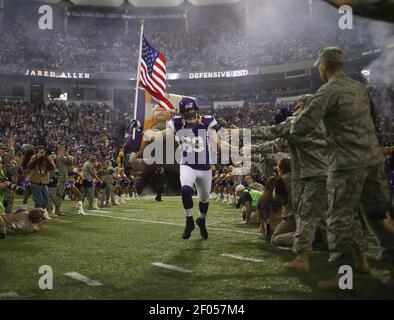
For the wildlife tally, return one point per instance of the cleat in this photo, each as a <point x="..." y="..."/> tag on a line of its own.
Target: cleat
<point x="203" y="230"/>
<point x="188" y="228"/>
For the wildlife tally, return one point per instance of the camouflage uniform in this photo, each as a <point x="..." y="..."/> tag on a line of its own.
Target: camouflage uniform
<point x="107" y="176"/>
<point x="87" y="190"/>
<point x="278" y="135"/>
<point x="52" y="190"/>
<point x="312" y="209"/>
<point x="10" y="171"/>
<point x="62" y="164"/>
<point x="355" y="165"/>
<point x="283" y="234"/>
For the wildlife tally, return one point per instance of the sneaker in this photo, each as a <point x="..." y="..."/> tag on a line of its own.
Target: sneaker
<point x="46" y="215"/>
<point x="203" y="229"/>
<point x="80" y="208"/>
<point x="188" y="228"/>
<point x="95" y="206"/>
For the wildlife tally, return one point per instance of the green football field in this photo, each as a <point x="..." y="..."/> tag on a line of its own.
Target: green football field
<point x="124" y="252"/>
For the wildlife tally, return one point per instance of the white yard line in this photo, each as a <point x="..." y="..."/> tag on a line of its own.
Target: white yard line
<point x="285" y="248"/>
<point x="170" y="267"/>
<point x="9" y="295"/>
<point x="99" y="211"/>
<point x="174" y="224"/>
<point x="80" y="277"/>
<point x="237" y="257"/>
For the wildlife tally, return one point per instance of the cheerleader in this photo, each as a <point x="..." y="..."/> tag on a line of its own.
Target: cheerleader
<point x="124" y="186"/>
<point x="74" y="177"/>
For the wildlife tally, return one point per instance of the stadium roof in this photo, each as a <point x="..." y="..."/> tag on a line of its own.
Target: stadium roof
<point x="143" y="3"/>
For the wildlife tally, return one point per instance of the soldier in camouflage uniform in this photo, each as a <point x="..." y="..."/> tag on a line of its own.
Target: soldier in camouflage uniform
<point x="309" y="160"/>
<point x="311" y="212"/>
<point x="277" y="135"/>
<point x="283" y="234"/>
<point x="10" y="168"/>
<point x="63" y="162"/>
<point x="355" y="164"/>
<point x="89" y="174"/>
<point x="52" y="188"/>
<point x="107" y="176"/>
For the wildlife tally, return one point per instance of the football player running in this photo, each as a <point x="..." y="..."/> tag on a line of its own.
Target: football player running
<point x="196" y="135"/>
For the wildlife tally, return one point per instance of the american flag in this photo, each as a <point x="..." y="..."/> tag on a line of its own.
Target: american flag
<point x="153" y="76"/>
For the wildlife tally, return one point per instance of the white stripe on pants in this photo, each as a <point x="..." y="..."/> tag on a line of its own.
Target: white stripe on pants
<point x="202" y="179"/>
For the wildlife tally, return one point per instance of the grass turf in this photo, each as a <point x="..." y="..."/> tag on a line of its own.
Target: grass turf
<point x="119" y="252"/>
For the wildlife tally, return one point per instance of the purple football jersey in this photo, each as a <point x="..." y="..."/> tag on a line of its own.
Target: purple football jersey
<point x="194" y="140"/>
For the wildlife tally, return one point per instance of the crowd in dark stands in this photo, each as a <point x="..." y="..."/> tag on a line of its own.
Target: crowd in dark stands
<point x="84" y="129"/>
<point x="219" y="47"/>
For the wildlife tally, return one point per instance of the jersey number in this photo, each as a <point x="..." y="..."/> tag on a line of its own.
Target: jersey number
<point x="195" y="144"/>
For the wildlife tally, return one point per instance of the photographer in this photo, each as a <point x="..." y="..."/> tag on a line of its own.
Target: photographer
<point x="40" y="165"/>
<point x="3" y="186"/>
<point x="7" y="153"/>
<point x="6" y="186"/>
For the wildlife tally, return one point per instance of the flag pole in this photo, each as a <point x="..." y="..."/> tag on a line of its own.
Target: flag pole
<point x="138" y="75"/>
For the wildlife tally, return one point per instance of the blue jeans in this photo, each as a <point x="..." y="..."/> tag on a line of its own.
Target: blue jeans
<point x="40" y="196"/>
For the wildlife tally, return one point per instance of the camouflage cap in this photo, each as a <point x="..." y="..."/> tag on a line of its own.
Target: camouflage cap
<point x="305" y="99"/>
<point x="330" y="54"/>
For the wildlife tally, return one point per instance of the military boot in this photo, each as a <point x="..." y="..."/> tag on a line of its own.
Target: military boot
<point x="299" y="264"/>
<point x="388" y="224"/>
<point x="361" y="263"/>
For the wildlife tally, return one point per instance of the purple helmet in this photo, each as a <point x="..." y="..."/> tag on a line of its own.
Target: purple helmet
<point x="188" y="109"/>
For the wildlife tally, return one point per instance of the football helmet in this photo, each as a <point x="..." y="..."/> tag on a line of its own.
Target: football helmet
<point x="188" y="109"/>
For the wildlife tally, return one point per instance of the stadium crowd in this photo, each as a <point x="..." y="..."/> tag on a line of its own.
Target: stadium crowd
<point x="84" y="129"/>
<point x="220" y="47"/>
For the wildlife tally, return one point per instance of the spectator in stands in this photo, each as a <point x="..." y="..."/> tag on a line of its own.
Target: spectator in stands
<point x="283" y="234"/>
<point x="271" y="210"/>
<point x="252" y="184"/>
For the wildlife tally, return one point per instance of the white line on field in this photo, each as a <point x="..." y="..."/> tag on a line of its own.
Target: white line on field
<point x="80" y="277"/>
<point x="173" y="224"/>
<point x="284" y="248"/>
<point x="170" y="267"/>
<point x="237" y="257"/>
<point x="9" y="294"/>
<point x="99" y="211"/>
